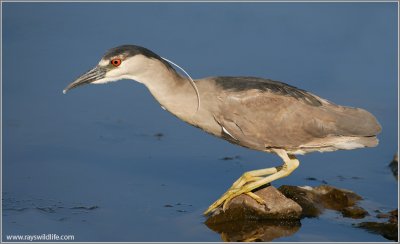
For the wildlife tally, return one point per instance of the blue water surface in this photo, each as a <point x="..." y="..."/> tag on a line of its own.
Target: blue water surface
<point x="106" y="163"/>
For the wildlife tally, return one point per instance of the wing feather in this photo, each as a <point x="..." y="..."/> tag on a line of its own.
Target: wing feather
<point x="270" y="118"/>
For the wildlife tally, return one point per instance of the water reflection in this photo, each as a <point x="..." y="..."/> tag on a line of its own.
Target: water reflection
<point x="247" y="222"/>
<point x="249" y="231"/>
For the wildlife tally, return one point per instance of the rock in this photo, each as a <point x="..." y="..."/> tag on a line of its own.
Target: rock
<point x="387" y="230"/>
<point x="306" y="198"/>
<point x="394" y="214"/>
<point x="335" y="198"/>
<point x="250" y="230"/>
<point x="394" y="166"/>
<point x="243" y="207"/>
<point x="382" y="216"/>
<point x="354" y="212"/>
<point x="314" y="200"/>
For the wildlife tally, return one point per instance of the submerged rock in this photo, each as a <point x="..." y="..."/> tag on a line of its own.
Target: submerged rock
<point x="314" y="200"/>
<point x="243" y="207"/>
<point x="354" y="212"/>
<point x="394" y="166"/>
<point x="387" y="229"/>
<point x="230" y="158"/>
<point x="394" y="216"/>
<point x="335" y="198"/>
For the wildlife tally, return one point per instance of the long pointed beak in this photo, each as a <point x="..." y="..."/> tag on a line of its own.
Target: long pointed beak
<point x="92" y="75"/>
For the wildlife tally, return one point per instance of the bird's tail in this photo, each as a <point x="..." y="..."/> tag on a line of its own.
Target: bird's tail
<point x="349" y="143"/>
<point x="358" y="122"/>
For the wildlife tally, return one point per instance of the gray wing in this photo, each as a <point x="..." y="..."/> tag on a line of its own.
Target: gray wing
<point x="276" y="115"/>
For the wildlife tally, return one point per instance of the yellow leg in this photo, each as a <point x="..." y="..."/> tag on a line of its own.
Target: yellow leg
<point x="252" y="180"/>
<point x="247" y="177"/>
<point x="251" y="176"/>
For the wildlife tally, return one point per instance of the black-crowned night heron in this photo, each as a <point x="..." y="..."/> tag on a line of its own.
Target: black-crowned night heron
<point x="259" y="114"/>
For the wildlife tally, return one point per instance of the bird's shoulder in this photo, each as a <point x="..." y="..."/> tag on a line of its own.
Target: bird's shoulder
<point x="236" y="85"/>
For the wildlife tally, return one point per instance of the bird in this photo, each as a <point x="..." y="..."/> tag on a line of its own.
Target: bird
<point x="255" y="113"/>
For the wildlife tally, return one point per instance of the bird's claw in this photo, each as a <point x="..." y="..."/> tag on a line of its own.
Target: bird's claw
<point x="256" y="197"/>
<point x="229" y="195"/>
<point x="220" y="201"/>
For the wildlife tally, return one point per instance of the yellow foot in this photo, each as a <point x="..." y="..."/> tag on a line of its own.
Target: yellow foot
<point x="217" y="203"/>
<point x="254" y="179"/>
<point x="256" y="197"/>
<point x="238" y="185"/>
<point x="228" y="196"/>
<point x="250" y="194"/>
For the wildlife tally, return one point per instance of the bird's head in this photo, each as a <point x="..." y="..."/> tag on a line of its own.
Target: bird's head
<point x="122" y="62"/>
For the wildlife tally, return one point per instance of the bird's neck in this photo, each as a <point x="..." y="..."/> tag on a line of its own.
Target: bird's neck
<point x="170" y="89"/>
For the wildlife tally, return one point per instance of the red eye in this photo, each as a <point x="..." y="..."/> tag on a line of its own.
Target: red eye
<point x="116" y="62"/>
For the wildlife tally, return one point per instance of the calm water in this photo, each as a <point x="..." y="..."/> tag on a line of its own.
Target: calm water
<point x="89" y="163"/>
